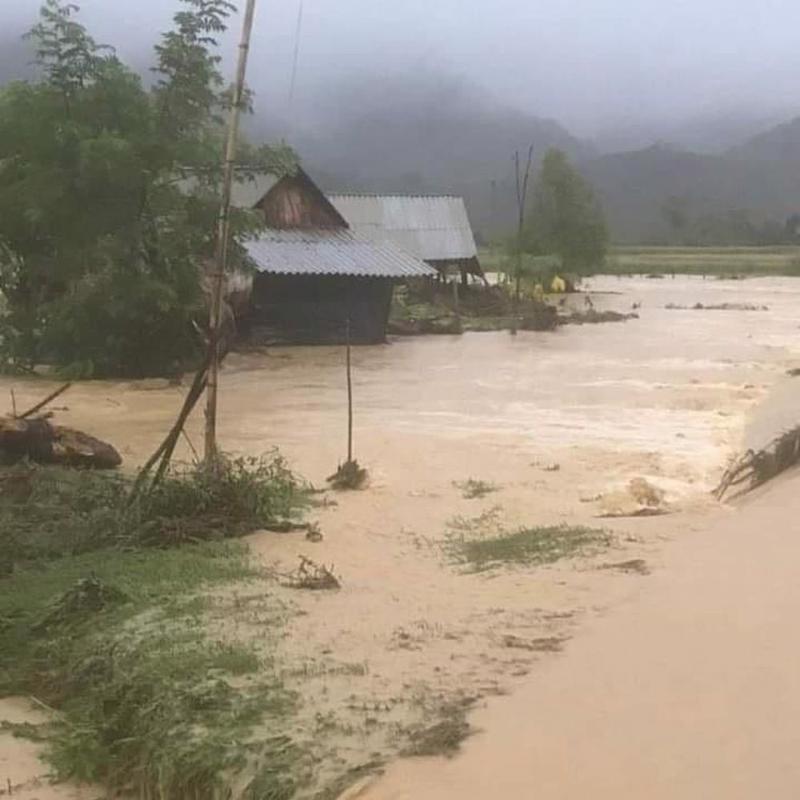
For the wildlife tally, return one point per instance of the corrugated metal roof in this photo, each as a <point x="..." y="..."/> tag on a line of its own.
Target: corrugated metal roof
<point x="331" y="252"/>
<point x="432" y="228"/>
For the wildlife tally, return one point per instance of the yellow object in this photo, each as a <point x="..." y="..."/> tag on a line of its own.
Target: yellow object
<point x="559" y="285"/>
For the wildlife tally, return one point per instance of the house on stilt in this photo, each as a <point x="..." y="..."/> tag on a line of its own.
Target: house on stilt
<point x="314" y="276"/>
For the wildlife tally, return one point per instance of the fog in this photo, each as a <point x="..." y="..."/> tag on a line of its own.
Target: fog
<point x="620" y="71"/>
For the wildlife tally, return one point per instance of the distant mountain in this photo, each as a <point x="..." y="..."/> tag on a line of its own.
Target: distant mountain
<point x="438" y="137"/>
<point x="781" y="143"/>
<point x="638" y="189"/>
<point x="711" y="133"/>
<point x="446" y="137"/>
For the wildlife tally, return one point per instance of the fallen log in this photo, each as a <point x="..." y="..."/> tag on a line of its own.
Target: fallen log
<point x="40" y="441"/>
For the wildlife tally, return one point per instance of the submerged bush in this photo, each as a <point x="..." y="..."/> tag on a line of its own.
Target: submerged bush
<point x="242" y="494"/>
<point x="47" y="512"/>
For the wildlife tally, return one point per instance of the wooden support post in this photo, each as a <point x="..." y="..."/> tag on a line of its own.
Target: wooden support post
<point x="456" y="301"/>
<point x="349" y="398"/>
<point x="223" y="237"/>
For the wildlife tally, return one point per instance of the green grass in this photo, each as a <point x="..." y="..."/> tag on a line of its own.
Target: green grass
<point x="482" y="542"/>
<point x="716" y="261"/>
<point x="47" y="512"/>
<point x="654" y="260"/>
<point x="497" y="259"/>
<point x="147" y="698"/>
<point x="107" y="615"/>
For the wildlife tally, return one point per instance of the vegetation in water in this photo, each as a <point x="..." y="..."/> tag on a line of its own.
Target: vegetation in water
<point x="108" y="197"/>
<point x="482" y="542"/>
<point x="107" y="615"/>
<point x="48" y="512"/>
<point x="146" y="699"/>
<point x="472" y="489"/>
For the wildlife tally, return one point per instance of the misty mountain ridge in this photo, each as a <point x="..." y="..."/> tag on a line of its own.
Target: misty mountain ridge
<point x="431" y="133"/>
<point x="444" y="136"/>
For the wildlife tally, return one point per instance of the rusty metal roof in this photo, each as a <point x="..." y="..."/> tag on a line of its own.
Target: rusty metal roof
<point x="331" y="252"/>
<point x="430" y="227"/>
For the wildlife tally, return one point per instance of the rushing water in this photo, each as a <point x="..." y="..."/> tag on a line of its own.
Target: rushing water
<point x="674" y="382"/>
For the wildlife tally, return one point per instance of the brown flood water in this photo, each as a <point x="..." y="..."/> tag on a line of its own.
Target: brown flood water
<point x="667" y="397"/>
<point x="691" y="691"/>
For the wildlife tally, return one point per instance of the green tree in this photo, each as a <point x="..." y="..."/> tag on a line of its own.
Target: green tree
<point x="566" y="219"/>
<point x="103" y="237"/>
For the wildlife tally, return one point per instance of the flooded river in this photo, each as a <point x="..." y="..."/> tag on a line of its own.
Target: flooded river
<point x="671" y="389"/>
<point x="554" y="421"/>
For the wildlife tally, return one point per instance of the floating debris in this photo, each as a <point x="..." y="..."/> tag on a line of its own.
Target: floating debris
<point x="756" y="467"/>
<point x="639" y="498"/>
<point x="310" y="575"/>
<point x="717" y="307"/>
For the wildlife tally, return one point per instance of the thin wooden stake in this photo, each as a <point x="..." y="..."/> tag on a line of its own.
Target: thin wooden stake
<point x="223" y="237"/>
<point x="349" y="398"/>
<point x="13" y="403"/>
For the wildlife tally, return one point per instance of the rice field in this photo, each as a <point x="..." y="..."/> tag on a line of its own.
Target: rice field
<point x="636" y="260"/>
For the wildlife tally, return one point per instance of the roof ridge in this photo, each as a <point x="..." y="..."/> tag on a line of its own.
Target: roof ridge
<point x="419" y="195"/>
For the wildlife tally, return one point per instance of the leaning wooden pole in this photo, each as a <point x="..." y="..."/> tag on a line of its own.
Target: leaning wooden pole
<point x="223" y="239"/>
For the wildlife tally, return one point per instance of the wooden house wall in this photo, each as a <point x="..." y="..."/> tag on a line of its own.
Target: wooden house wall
<point x="296" y="202"/>
<point x="314" y="309"/>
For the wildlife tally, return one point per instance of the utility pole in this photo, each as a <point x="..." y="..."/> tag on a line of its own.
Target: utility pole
<point x="522" y="195"/>
<point x="223" y="237"/>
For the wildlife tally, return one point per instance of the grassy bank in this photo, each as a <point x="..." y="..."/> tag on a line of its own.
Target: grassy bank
<point x="119" y="626"/>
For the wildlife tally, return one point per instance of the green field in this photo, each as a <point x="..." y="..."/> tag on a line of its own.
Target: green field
<point x="720" y="261"/>
<point x="704" y="260"/>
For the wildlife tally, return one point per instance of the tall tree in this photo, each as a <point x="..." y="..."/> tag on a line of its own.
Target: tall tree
<point x="108" y="197"/>
<point x="566" y="218"/>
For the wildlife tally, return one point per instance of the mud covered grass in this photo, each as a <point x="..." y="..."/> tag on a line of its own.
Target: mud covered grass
<point x="116" y="616"/>
<point x="444" y="736"/>
<point x="146" y="697"/>
<point x="483" y="542"/>
<point x="472" y="488"/>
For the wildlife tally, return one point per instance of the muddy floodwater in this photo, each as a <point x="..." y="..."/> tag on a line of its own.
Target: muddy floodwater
<point x="559" y="423"/>
<point x="667" y="393"/>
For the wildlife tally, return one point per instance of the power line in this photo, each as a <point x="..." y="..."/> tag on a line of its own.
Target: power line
<point x="296" y="52"/>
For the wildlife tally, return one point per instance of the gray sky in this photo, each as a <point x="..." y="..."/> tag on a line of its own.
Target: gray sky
<point x="594" y="65"/>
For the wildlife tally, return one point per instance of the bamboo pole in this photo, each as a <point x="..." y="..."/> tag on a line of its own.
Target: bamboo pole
<point x="223" y="237"/>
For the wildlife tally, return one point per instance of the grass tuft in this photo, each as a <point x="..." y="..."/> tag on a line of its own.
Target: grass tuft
<point x="443" y="737"/>
<point x="482" y="542"/>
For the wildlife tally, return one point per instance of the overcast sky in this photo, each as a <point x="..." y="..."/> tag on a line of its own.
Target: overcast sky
<point x="591" y="64"/>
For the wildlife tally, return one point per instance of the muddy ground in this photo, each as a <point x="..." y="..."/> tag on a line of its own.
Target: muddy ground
<point x="559" y="423"/>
